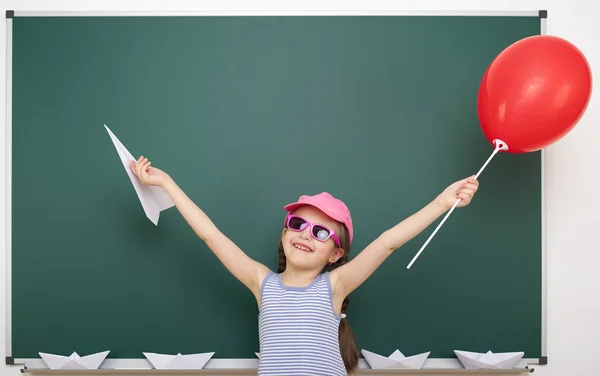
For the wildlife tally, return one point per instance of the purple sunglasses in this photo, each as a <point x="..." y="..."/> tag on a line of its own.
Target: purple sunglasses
<point x="319" y="232"/>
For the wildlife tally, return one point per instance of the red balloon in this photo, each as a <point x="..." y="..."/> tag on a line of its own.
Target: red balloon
<point x="534" y="93"/>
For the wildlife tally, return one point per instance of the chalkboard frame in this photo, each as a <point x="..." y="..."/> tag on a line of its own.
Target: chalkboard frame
<point x="141" y="363"/>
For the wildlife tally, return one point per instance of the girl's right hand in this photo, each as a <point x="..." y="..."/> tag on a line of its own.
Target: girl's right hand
<point x="147" y="174"/>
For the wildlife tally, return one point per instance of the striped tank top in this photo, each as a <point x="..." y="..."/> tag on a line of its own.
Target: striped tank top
<point x="298" y="329"/>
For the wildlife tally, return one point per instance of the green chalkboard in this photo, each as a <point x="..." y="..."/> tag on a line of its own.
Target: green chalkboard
<point x="248" y="113"/>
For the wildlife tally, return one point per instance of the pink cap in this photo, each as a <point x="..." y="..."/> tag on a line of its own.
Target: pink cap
<point x="329" y="205"/>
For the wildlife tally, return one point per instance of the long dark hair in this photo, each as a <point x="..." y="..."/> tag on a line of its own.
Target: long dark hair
<point x="348" y="348"/>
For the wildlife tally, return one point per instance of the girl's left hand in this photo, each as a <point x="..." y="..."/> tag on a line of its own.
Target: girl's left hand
<point x="464" y="189"/>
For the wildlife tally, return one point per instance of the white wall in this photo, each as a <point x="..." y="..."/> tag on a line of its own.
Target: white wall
<point x="573" y="175"/>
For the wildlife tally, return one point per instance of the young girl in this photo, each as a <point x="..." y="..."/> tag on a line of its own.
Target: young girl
<point x="302" y="321"/>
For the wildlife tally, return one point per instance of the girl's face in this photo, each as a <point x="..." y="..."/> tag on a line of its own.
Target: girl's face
<point x="302" y="250"/>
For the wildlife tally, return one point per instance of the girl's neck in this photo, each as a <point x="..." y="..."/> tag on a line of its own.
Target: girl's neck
<point x="298" y="278"/>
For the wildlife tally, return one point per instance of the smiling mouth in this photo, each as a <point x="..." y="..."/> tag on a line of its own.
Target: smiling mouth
<point x="302" y="248"/>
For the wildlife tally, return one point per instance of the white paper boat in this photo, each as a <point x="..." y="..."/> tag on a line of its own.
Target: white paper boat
<point x="396" y="360"/>
<point x="153" y="199"/>
<point x="74" y="361"/>
<point x="190" y="361"/>
<point x="257" y="354"/>
<point x="474" y="360"/>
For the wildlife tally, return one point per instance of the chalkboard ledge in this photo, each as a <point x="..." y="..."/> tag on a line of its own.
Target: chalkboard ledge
<point x="252" y="371"/>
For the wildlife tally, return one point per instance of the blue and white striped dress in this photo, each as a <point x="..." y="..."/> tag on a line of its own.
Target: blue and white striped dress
<point x="298" y="329"/>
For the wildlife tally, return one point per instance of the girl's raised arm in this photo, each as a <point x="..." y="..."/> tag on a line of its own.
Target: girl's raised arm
<point x="348" y="277"/>
<point x="245" y="269"/>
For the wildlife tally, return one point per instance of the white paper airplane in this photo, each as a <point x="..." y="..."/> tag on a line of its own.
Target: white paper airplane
<point x="191" y="361"/>
<point x="474" y="360"/>
<point x="74" y="361"/>
<point x="154" y="199"/>
<point x="396" y="360"/>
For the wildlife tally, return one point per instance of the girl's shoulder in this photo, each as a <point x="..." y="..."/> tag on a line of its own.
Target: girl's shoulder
<point x="269" y="276"/>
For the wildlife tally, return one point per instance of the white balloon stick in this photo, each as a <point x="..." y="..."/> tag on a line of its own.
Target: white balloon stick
<point x="500" y="146"/>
